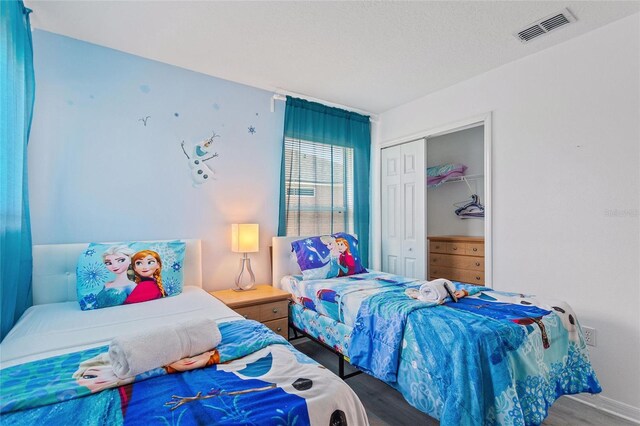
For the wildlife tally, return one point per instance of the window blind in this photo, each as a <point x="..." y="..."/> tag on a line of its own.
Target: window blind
<point x="318" y="188"/>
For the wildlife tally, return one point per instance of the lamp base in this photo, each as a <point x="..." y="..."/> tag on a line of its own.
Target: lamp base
<point x="245" y="264"/>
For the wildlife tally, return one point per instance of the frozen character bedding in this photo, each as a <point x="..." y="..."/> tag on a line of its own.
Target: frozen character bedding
<point x="124" y="273"/>
<point x="253" y="377"/>
<point x="490" y="358"/>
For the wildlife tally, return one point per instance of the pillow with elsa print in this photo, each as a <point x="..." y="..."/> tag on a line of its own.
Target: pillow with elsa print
<point x="112" y="274"/>
<point x="328" y="256"/>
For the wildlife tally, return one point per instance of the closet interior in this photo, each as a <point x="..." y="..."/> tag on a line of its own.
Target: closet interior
<point x="455" y="206"/>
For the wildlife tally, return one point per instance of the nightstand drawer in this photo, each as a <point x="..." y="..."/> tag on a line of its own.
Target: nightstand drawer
<point x="280" y="326"/>
<point x="275" y="310"/>
<point x="250" y="312"/>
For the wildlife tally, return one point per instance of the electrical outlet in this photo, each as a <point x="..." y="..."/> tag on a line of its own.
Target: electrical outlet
<point x="589" y="335"/>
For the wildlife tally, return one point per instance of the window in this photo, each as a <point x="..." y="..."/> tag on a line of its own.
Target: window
<point x="318" y="188"/>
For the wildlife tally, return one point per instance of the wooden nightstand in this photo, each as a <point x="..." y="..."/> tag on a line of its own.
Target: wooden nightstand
<point x="266" y="304"/>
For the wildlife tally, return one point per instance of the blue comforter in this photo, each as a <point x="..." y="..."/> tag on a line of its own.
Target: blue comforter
<point x="492" y="358"/>
<point x="260" y="379"/>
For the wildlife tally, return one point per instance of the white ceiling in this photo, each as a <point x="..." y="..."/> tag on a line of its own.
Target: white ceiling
<point x="370" y="56"/>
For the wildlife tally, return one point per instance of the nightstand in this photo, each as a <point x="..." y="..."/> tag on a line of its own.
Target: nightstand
<point x="266" y="304"/>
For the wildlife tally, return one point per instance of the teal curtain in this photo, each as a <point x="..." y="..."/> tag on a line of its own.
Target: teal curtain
<point x="17" y="86"/>
<point x="320" y="124"/>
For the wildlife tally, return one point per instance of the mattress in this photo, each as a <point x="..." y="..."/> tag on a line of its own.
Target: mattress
<point x="55" y="328"/>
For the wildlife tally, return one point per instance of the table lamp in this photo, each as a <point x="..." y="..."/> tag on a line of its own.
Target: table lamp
<point x="245" y="238"/>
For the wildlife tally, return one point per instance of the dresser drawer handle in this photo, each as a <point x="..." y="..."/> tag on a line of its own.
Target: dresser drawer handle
<point x="275" y="310"/>
<point x="435" y="260"/>
<point x="475" y="249"/>
<point x="477" y="263"/>
<point x="246" y="316"/>
<point x="477" y="278"/>
<point x="279" y="329"/>
<point x="455" y="248"/>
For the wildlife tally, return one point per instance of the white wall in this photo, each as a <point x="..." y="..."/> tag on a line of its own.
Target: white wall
<point x="466" y="147"/>
<point x="566" y="184"/>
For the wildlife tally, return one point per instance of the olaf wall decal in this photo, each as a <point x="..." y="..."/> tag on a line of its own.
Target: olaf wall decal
<point x="201" y="152"/>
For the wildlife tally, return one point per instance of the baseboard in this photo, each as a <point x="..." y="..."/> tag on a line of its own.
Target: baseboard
<point x="610" y="406"/>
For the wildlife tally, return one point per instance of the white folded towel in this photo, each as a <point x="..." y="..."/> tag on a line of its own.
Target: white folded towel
<point x="137" y="353"/>
<point x="434" y="291"/>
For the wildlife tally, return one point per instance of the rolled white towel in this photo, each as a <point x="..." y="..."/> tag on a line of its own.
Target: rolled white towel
<point x="434" y="291"/>
<point x="137" y="353"/>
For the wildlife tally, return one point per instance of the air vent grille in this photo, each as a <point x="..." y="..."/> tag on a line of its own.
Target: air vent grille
<point x="531" y="32"/>
<point x="545" y="25"/>
<point x="554" y="22"/>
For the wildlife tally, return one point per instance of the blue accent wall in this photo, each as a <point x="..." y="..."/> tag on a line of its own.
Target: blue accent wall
<point x="98" y="173"/>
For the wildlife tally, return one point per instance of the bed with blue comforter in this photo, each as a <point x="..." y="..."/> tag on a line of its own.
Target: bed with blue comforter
<point x="492" y="358"/>
<point x="257" y="378"/>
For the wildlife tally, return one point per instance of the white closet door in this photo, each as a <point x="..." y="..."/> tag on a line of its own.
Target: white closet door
<point x="391" y="210"/>
<point x="403" y="209"/>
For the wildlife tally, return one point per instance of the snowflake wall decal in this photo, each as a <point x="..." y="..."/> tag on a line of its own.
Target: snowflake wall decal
<point x="252" y="130"/>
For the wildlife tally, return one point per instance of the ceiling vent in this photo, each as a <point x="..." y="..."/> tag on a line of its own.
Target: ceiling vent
<point x="545" y="25"/>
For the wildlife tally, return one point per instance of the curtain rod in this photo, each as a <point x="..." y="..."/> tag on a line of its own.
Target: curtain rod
<point x="282" y="96"/>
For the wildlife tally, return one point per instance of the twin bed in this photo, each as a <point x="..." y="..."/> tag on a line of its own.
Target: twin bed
<point x="51" y="371"/>
<point x="490" y="358"/>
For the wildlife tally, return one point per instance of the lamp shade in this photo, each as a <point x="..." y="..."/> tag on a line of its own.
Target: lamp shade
<point x="245" y="237"/>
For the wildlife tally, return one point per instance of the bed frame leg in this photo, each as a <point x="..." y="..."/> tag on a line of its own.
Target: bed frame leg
<point x="341" y="366"/>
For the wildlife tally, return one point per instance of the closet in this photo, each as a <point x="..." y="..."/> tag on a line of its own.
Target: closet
<point x="433" y="206"/>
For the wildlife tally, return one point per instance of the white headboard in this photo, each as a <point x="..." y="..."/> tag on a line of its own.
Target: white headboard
<point x="283" y="263"/>
<point x="54" y="270"/>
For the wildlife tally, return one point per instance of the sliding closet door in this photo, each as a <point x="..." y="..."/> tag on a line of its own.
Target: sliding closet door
<point x="403" y="209"/>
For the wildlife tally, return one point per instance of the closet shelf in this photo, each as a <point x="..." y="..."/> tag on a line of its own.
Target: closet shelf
<point x="466" y="178"/>
<point x="463" y="178"/>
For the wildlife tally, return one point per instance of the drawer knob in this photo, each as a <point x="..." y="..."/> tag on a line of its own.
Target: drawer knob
<point x="246" y="316"/>
<point x="477" y="263"/>
<point x="455" y="248"/>
<point x="435" y="260"/>
<point x="279" y="329"/>
<point x="477" y="278"/>
<point x="275" y="310"/>
<point x="475" y="249"/>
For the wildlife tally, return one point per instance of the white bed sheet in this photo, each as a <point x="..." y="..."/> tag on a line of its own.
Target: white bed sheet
<point x="56" y="328"/>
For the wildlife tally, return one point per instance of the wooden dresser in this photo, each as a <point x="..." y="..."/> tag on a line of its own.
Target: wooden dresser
<point x="457" y="258"/>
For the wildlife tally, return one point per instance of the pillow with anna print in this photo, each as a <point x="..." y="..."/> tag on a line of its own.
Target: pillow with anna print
<point x="328" y="256"/>
<point x="111" y="274"/>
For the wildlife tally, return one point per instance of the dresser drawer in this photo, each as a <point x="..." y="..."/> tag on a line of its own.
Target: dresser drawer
<point x="250" y="312"/>
<point x="437" y="247"/>
<point x="457" y="248"/>
<point x="472" y="277"/>
<point x="466" y="262"/>
<point x="437" y="259"/>
<point x="275" y="310"/>
<point x="280" y="326"/>
<point x="475" y="249"/>
<point x="441" y="272"/>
